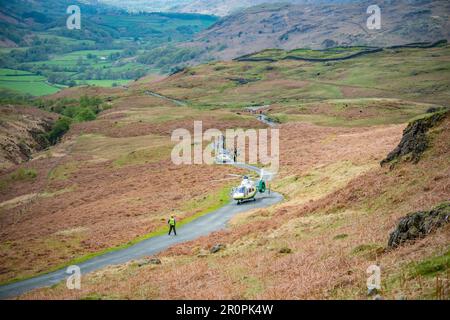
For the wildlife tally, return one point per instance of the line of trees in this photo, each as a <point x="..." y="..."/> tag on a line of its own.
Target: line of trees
<point x="71" y="111"/>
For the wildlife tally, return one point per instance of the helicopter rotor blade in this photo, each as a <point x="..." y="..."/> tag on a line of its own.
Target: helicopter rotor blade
<point x="224" y="179"/>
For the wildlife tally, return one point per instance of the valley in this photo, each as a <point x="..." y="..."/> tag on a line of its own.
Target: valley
<point x="90" y="124"/>
<point x="116" y="47"/>
<point x="113" y="47"/>
<point x="105" y="182"/>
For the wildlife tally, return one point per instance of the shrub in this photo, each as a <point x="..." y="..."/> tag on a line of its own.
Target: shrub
<point x="23" y="174"/>
<point x="84" y="109"/>
<point x="84" y="114"/>
<point x="61" y="126"/>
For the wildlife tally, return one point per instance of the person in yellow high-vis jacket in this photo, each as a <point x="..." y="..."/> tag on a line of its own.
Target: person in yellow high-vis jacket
<point x="172" y="223"/>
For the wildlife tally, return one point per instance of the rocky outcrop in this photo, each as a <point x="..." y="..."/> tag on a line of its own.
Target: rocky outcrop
<point x="419" y="224"/>
<point x="22" y="132"/>
<point x="415" y="140"/>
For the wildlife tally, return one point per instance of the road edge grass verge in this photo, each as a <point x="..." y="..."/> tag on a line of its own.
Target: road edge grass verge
<point x="223" y="199"/>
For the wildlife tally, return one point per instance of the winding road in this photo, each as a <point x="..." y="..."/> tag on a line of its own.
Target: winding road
<point x="174" y="101"/>
<point x="202" y="226"/>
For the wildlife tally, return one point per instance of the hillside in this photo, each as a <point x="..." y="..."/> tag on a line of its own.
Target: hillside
<point x="319" y="243"/>
<point x="226" y="7"/>
<point x="107" y="181"/>
<point x="296" y="86"/>
<point x="218" y="7"/>
<point x="116" y="47"/>
<point x="23" y="20"/>
<point x="319" y="26"/>
<point x="111" y="49"/>
<point x="21" y="131"/>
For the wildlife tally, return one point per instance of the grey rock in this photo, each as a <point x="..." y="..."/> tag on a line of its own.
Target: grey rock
<point x="154" y="261"/>
<point x="217" y="248"/>
<point x="147" y="261"/>
<point x="415" y="140"/>
<point x="285" y="250"/>
<point x="419" y="224"/>
<point x="372" y="291"/>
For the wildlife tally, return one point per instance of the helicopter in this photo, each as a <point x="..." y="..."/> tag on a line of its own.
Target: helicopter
<point x="248" y="189"/>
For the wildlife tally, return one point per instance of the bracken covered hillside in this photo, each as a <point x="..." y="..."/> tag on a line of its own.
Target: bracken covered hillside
<point x="318" y="244"/>
<point x="340" y="207"/>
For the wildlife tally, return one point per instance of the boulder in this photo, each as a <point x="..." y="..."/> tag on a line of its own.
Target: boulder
<point x="285" y="250"/>
<point x="154" y="261"/>
<point x="419" y="224"/>
<point x="217" y="248"/>
<point x="147" y="261"/>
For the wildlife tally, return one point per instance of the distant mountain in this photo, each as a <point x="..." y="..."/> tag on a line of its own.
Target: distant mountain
<point x="148" y="6"/>
<point x="226" y="7"/>
<point x="212" y="7"/>
<point x="317" y="26"/>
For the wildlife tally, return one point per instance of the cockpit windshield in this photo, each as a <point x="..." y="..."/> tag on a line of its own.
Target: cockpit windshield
<point x="241" y="190"/>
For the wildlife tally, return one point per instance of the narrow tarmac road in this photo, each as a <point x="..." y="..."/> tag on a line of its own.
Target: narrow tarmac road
<point x="175" y="101"/>
<point x="202" y="226"/>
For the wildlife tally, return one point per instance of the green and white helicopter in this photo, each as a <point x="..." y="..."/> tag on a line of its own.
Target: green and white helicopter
<point x="248" y="189"/>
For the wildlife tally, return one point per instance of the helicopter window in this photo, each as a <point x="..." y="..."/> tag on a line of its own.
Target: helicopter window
<point x="241" y="190"/>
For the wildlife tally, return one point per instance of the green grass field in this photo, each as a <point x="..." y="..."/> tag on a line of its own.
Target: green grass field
<point x="72" y="59"/>
<point x="103" y="83"/>
<point x="99" y="61"/>
<point x="11" y="72"/>
<point x="26" y="83"/>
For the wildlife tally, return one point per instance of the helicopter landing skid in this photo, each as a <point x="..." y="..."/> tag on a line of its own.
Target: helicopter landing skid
<point x="239" y="202"/>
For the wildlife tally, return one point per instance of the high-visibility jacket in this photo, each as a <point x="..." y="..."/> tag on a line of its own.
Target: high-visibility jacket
<point x="172" y="221"/>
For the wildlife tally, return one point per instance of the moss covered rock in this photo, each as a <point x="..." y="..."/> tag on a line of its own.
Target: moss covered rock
<point x="419" y="224"/>
<point x="415" y="141"/>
